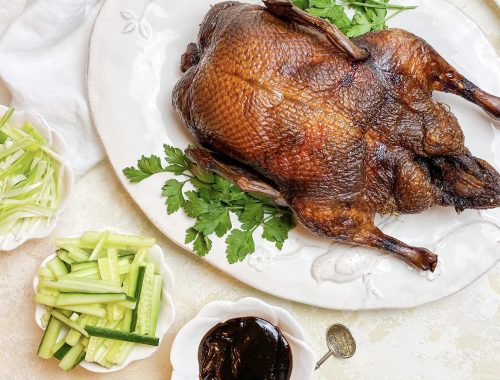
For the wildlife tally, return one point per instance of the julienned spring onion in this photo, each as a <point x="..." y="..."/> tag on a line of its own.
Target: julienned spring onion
<point x="29" y="179"/>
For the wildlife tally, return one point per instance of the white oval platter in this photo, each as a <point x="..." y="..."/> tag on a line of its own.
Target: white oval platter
<point x="133" y="65"/>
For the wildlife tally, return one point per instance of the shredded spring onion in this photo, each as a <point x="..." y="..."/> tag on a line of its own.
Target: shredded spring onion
<point x="29" y="178"/>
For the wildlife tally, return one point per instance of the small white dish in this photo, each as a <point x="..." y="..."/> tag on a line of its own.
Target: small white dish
<point x="165" y="318"/>
<point x="184" y="355"/>
<point x="55" y="142"/>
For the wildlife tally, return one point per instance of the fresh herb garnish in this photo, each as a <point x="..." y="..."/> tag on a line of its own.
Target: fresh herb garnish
<point x="369" y="14"/>
<point x="211" y="203"/>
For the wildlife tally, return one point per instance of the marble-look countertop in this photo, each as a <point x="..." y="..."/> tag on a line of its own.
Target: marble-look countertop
<point x="455" y="338"/>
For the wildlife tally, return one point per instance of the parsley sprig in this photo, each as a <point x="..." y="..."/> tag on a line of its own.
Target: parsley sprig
<point x="369" y="14"/>
<point x="211" y="204"/>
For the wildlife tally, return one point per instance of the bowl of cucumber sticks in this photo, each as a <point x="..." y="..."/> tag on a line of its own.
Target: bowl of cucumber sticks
<point x="104" y="300"/>
<point x="36" y="179"/>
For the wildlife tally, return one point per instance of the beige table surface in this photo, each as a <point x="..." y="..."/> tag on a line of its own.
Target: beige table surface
<point x="456" y="338"/>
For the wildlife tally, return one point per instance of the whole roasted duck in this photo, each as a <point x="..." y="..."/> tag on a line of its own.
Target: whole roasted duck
<point x="339" y="130"/>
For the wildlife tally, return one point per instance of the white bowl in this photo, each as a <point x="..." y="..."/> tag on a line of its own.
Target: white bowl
<point x="165" y="318"/>
<point x="55" y="142"/>
<point x="184" y="355"/>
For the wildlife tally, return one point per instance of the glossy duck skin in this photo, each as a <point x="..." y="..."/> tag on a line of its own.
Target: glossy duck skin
<point x="336" y="137"/>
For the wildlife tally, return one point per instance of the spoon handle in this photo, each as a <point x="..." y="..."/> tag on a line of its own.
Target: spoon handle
<point x="323" y="359"/>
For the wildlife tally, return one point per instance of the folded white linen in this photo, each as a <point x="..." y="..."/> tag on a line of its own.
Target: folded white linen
<point x="43" y="63"/>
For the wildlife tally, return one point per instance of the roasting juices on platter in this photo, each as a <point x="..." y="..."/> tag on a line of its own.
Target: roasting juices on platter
<point x="246" y="348"/>
<point x="336" y="129"/>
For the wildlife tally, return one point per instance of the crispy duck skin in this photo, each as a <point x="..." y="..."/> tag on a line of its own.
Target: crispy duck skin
<point x="339" y="130"/>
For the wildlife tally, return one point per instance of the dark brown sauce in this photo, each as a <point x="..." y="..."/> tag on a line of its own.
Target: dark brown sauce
<point x="245" y="349"/>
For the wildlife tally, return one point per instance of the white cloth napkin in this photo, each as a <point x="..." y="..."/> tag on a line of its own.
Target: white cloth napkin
<point x="43" y="63"/>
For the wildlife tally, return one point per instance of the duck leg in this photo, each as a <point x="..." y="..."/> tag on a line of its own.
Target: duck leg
<point x="284" y="8"/>
<point x="445" y="78"/>
<point x="349" y="225"/>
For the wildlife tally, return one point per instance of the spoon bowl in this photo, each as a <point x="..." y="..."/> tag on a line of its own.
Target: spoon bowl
<point x="340" y="342"/>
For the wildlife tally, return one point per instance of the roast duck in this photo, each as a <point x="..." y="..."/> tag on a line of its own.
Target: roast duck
<point x="283" y="104"/>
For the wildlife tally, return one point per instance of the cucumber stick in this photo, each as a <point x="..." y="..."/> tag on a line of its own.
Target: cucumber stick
<point x="68" y="322"/>
<point x="96" y="342"/>
<point x="49" y="338"/>
<point x="145" y="302"/>
<point x="64" y="256"/>
<point x="86" y="298"/>
<point x="75" y="267"/>
<point x="46" y="273"/>
<point x="96" y="253"/>
<point x="62" y="350"/>
<point x="115" y="240"/>
<point x="124" y="265"/>
<point x="92" y="309"/>
<point x="57" y="266"/>
<point x="122" y="335"/>
<point x="138" y="288"/>
<point x="74" y="336"/>
<point x="155" y="308"/>
<point x="81" y="286"/>
<point x="57" y="347"/>
<point x="73" y="357"/>
<point x="45" y="299"/>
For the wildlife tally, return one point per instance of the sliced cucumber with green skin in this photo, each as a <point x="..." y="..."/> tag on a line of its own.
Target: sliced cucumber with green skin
<point x="127" y="320"/>
<point x="45" y="299"/>
<point x="91" y="309"/>
<point x="76" y="253"/>
<point x="75" y="267"/>
<point x="64" y="256"/>
<point x="73" y="357"/>
<point x="57" y="266"/>
<point x="96" y="253"/>
<point x="63" y="350"/>
<point x="58" y="345"/>
<point x="145" y="301"/>
<point x="80" y="286"/>
<point x="122" y="335"/>
<point x="68" y="322"/>
<point x="46" y="272"/>
<point x="119" y="241"/>
<point x="138" y="287"/>
<point x="74" y="336"/>
<point x="124" y="266"/>
<point x="49" y="338"/>
<point x="128" y="304"/>
<point x="155" y="308"/>
<point x="86" y="298"/>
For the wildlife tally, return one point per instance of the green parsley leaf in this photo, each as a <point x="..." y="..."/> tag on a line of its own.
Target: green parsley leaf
<point x="302" y="4"/>
<point x="146" y="167"/>
<point x="252" y="216"/>
<point x="191" y="234"/>
<point x="361" y="25"/>
<point x="172" y="190"/>
<point x="195" y="206"/>
<point x="217" y="220"/>
<point x="178" y="161"/>
<point x="276" y="229"/>
<point x="239" y="245"/>
<point x="202" y="245"/>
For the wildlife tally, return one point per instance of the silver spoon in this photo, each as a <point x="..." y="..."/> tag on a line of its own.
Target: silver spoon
<point x="340" y="342"/>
